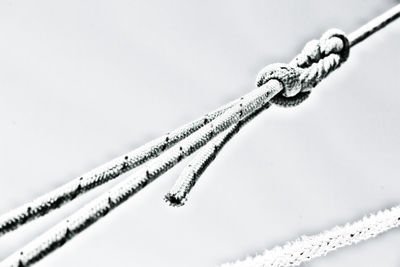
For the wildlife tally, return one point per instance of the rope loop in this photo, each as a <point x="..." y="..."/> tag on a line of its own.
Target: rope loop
<point x="289" y="77"/>
<point x="315" y="62"/>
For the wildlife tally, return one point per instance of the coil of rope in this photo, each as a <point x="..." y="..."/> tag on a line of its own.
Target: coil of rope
<point x="285" y="85"/>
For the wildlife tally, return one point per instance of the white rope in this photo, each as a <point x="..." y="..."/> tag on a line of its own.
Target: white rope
<point x="307" y="248"/>
<point x="99" y="207"/>
<point x="67" y="192"/>
<point x="374" y="25"/>
<point x="177" y="196"/>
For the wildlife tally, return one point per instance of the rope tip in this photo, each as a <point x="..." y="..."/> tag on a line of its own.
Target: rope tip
<point x="174" y="200"/>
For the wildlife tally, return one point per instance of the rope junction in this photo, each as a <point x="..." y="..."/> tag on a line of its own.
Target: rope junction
<point x="312" y="65"/>
<point x="285" y="85"/>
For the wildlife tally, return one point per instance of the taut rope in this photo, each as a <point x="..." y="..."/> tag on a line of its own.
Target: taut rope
<point x="282" y="84"/>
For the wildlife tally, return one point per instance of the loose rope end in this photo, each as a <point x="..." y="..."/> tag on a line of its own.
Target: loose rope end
<point x="174" y="201"/>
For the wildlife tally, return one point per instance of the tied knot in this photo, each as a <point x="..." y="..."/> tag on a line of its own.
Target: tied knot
<point x="286" y="74"/>
<point x="315" y="62"/>
<point x="333" y="41"/>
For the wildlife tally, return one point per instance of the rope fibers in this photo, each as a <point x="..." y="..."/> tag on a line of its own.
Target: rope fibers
<point x="308" y="247"/>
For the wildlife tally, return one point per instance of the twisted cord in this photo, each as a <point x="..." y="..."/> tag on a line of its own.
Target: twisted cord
<point x="307" y="248"/>
<point x="99" y="207"/>
<point x="69" y="191"/>
<point x="177" y="196"/>
<point x="315" y="62"/>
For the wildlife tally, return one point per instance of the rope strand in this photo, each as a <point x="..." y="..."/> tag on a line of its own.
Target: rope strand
<point x="307" y="248"/>
<point x="177" y="196"/>
<point x="99" y="207"/>
<point x="374" y="25"/>
<point x="69" y="191"/>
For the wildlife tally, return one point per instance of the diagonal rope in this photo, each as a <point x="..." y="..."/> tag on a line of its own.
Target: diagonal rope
<point x="192" y="172"/>
<point x="281" y="84"/>
<point x="374" y="25"/>
<point x="307" y="248"/>
<point x="69" y="191"/>
<point x="100" y="206"/>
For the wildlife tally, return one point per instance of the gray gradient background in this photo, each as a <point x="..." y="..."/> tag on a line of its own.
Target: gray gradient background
<point x="82" y="82"/>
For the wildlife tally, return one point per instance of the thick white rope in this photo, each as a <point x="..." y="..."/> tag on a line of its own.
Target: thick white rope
<point x="177" y="196"/>
<point x="307" y="248"/>
<point x="67" y="192"/>
<point x="99" y="207"/>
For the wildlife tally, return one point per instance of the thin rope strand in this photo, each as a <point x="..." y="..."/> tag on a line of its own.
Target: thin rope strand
<point x="69" y="191"/>
<point x="307" y="248"/>
<point x="374" y="25"/>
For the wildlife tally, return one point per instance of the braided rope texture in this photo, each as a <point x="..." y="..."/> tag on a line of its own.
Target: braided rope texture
<point x="99" y="207"/>
<point x="67" y="192"/>
<point x="307" y="248"/>
<point x="177" y="196"/>
<point x="316" y="61"/>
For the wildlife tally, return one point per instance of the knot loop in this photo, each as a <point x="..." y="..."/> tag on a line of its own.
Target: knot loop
<point x="315" y="62"/>
<point x="333" y="41"/>
<point x="289" y="77"/>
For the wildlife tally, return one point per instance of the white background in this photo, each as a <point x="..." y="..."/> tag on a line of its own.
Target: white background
<point x="82" y="82"/>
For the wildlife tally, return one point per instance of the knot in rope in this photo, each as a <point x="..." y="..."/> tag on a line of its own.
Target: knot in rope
<point x="315" y="62"/>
